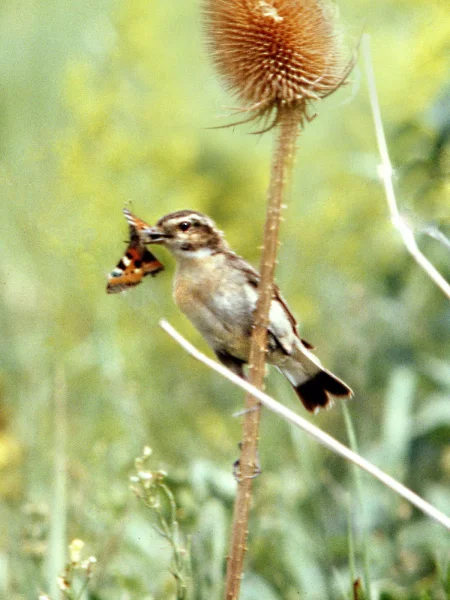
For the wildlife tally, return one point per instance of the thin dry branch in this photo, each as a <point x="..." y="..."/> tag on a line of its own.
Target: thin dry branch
<point x="385" y="171"/>
<point x="323" y="438"/>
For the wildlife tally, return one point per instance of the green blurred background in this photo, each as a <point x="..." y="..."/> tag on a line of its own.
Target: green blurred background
<point x="106" y="102"/>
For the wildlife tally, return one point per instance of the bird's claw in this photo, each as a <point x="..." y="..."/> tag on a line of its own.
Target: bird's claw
<point x="237" y="468"/>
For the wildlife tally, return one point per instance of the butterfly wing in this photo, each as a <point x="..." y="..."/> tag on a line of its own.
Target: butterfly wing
<point x="136" y="263"/>
<point x="136" y="225"/>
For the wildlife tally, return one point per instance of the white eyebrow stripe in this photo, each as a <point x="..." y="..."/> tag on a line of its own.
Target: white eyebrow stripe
<point x="190" y="217"/>
<point x="126" y="261"/>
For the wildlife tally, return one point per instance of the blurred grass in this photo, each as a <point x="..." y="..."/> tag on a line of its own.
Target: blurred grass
<point x="106" y="102"/>
<point x="357" y="517"/>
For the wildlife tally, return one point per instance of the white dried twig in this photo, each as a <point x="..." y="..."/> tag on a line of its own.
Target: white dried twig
<point x="385" y="171"/>
<point x="323" y="438"/>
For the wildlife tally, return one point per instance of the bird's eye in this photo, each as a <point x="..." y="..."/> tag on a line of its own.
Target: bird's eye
<point x="184" y="226"/>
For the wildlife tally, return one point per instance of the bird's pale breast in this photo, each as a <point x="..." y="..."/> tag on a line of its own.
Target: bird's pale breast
<point x="217" y="301"/>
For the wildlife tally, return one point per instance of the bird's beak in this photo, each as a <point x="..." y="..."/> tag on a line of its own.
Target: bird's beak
<point x="154" y="235"/>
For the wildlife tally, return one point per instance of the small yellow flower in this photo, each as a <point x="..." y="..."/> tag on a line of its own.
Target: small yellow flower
<point x="63" y="584"/>
<point x="75" y="548"/>
<point x="147" y="451"/>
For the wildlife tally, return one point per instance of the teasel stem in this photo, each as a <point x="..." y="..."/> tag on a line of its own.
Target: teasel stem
<point x="288" y="127"/>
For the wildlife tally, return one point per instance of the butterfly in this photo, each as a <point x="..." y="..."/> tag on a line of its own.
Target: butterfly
<point x="136" y="263"/>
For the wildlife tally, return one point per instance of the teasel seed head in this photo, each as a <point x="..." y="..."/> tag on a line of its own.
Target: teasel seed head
<point x="277" y="56"/>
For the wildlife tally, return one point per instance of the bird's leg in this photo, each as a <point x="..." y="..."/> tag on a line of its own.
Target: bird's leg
<point x="236" y="365"/>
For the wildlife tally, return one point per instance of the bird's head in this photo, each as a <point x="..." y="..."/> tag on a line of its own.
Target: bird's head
<point x="187" y="234"/>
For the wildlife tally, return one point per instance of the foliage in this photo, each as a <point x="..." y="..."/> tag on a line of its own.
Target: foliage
<point x="153" y="492"/>
<point x="106" y="102"/>
<point x="74" y="580"/>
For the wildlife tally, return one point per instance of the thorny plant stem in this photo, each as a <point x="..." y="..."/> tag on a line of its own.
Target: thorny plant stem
<point x="320" y="436"/>
<point x="385" y="172"/>
<point x="282" y="161"/>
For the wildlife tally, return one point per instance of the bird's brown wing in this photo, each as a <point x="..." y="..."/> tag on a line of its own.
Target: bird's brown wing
<point x="254" y="279"/>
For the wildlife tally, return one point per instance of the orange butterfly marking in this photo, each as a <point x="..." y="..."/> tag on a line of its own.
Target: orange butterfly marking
<point x="136" y="263"/>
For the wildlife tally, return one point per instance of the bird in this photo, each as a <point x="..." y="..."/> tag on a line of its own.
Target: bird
<point x="218" y="290"/>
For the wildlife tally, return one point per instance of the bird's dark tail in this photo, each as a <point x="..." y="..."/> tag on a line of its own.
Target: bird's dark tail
<point x="318" y="391"/>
